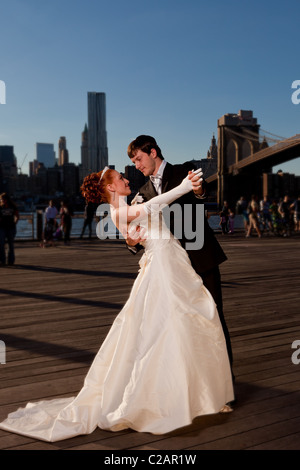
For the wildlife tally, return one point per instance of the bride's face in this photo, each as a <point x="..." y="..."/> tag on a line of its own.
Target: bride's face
<point x="120" y="185"/>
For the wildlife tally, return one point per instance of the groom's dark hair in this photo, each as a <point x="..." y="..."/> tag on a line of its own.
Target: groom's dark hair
<point x="144" y="143"/>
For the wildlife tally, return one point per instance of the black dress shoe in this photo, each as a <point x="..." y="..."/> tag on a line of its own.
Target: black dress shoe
<point x="231" y="403"/>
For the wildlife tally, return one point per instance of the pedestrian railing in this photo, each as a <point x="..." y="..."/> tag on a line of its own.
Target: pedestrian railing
<point x="31" y="225"/>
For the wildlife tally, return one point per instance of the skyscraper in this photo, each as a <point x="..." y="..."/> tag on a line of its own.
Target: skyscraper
<point x="45" y="154"/>
<point x="84" y="169"/>
<point x="8" y="169"/>
<point x="63" y="154"/>
<point x="85" y="149"/>
<point x="97" y="138"/>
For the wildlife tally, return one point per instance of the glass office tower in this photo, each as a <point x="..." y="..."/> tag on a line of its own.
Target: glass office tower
<point x="97" y="137"/>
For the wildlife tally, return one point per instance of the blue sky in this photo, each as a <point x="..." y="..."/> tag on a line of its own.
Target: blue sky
<point x="169" y="68"/>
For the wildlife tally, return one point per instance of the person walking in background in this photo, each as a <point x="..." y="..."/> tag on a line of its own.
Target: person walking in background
<point x="225" y="211"/>
<point x="277" y="226"/>
<point x="66" y="221"/>
<point x="295" y="207"/>
<point x="264" y="207"/>
<point x="231" y="216"/>
<point x="50" y="224"/>
<point x="89" y="212"/>
<point x="253" y="217"/>
<point x="223" y="222"/>
<point x="242" y="209"/>
<point x="9" y="216"/>
<point x="284" y="211"/>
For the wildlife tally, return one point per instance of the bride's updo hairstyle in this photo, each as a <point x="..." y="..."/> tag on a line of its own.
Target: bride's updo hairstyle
<point x="93" y="188"/>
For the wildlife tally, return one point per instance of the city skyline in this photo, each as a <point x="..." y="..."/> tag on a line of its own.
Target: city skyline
<point x="170" y="69"/>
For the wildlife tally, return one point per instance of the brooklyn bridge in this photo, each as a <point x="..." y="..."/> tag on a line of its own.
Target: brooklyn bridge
<point x="244" y="161"/>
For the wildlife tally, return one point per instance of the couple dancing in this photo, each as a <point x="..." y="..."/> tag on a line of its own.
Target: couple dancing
<point x="164" y="361"/>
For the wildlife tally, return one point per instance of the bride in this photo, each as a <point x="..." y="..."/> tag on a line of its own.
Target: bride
<point x="164" y="361"/>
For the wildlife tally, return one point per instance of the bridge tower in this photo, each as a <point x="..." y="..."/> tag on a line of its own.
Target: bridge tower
<point x="238" y="138"/>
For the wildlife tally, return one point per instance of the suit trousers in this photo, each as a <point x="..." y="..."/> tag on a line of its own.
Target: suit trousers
<point x="212" y="281"/>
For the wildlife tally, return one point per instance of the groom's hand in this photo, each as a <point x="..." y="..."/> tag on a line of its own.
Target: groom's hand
<point x="135" y="235"/>
<point x="197" y="184"/>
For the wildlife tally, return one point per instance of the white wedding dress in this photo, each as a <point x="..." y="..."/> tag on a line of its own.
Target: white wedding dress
<point x="163" y="362"/>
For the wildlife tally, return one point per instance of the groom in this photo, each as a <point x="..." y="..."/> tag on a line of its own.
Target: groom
<point x="146" y="155"/>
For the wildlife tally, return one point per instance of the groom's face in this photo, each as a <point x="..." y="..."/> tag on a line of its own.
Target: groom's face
<point x="147" y="164"/>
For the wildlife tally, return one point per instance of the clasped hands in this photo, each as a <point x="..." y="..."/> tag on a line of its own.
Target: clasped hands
<point x="196" y="180"/>
<point x="136" y="235"/>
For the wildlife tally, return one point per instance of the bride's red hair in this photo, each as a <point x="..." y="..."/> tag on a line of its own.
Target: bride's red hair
<point x="93" y="190"/>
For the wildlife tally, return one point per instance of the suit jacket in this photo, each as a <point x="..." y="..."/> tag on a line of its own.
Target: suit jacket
<point x="211" y="254"/>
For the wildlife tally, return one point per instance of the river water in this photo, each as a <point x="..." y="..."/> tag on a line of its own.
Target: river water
<point x="27" y="225"/>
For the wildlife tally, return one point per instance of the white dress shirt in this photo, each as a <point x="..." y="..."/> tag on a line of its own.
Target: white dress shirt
<point x="51" y="212"/>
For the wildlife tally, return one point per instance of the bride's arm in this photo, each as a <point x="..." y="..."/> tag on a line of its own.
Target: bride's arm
<point x="127" y="214"/>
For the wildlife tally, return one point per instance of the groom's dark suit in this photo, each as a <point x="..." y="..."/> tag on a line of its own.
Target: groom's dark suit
<point x="206" y="260"/>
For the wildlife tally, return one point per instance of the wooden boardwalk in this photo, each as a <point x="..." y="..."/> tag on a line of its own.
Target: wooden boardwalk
<point x="57" y="305"/>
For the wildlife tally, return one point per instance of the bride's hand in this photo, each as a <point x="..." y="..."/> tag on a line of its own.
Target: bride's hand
<point x="196" y="178"/>
<point x="193" y="180"/>
<point x="135" y="235"/>
<point x="197" y="182"/>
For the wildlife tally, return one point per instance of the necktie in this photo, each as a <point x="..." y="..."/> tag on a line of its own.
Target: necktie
<point x="156" y="180"/>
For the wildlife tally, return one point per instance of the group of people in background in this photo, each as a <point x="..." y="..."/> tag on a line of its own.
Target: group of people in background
<point x="55" y="229"/>
<point x="58" y="223"/>
<point x="280" y="217"/>
<point x="57" y="226"/>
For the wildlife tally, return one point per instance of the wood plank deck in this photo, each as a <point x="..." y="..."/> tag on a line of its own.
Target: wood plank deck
<point x="57" y="305"/>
